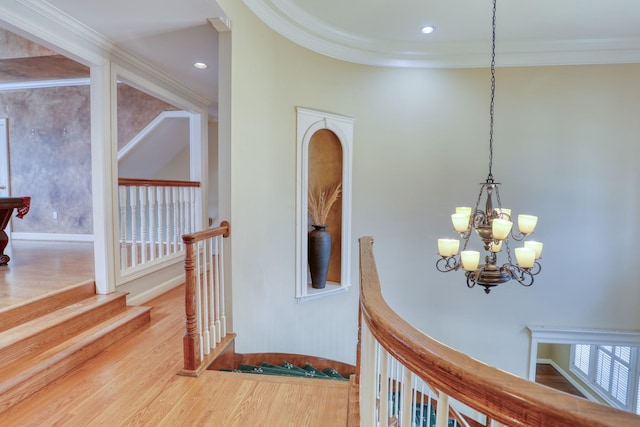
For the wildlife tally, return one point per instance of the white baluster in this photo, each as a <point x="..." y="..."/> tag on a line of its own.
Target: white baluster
<point x="201" y="253"/>
<point x="153" y="209"/>
<point x="407" y="402"/>
<point x="183" y="217"/>
<point x="220" y="257"/>
<point x="385" y="392"/>
<point x="143" y="224"/>
<point x="442" y="414"/>
<point x="176" y="219"/>
<point x="124" y="253"/>
<point x="168" y="226"/>
<point x="199" y="322"/>
<point x="133" y="200"/>
<point x="368" y="374"/>
<point x="161" y="217"/>
<point x="215" y="336"/>
<point x="192" y="209"/>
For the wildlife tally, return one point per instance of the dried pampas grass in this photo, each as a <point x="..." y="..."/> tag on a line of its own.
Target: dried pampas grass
<point x="320" y="203"/>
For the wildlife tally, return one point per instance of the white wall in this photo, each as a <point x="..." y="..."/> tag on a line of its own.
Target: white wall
<point x="213" y="209"/>
<point x="566" y="144"/>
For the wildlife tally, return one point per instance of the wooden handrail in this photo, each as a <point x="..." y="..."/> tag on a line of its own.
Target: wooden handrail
<point x="143" y="182"/>
<point x="499" y="395"/>
<point x="223" y="230"/>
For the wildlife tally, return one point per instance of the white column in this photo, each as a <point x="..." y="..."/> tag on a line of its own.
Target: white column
<point x="104" y="177"/>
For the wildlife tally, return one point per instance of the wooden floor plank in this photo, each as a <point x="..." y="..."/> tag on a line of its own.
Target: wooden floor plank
<point x="135" y="383"/>
<point x="37" y="268"/>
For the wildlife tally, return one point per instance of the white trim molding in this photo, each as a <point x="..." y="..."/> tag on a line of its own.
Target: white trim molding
<point x="45" y="84"/>
<point x="296" y="24"/>
<point x="309" y="122"/>
<point x="560" y="335"/>
<point x="56" y="237"/>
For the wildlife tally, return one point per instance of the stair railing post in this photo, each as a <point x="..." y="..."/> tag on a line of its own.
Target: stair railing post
<point x="191" y="340"/>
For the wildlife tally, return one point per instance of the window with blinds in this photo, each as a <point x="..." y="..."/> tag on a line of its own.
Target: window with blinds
<point x="612" y="371"/>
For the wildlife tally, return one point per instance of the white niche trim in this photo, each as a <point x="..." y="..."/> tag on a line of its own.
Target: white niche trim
<point x="309" y="122"/>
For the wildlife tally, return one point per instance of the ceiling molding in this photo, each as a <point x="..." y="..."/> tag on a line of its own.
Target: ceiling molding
<point x="58" y="31"/>
<point x="287" y="19"/>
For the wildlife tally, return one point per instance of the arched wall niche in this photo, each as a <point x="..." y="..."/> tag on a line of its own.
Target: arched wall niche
<point x="325" y="171"/>
<point x="324" y="158"/>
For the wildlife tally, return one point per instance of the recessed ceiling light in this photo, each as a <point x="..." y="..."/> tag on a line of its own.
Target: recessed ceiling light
<point x="428" y="29"/>
<point x="200" y="65"/>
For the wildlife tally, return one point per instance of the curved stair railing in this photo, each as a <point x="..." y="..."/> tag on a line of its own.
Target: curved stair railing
<point x="407" y="378"/>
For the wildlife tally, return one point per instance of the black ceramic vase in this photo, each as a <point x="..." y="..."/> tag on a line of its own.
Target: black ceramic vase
<point x="319" y="251"/>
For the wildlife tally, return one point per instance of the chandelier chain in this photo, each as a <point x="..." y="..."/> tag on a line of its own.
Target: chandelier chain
<point x="493" y="91"/>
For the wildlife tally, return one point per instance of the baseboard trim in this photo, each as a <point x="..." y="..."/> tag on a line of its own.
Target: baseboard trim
<point x="154" y="292"/>
<point x="52" y="237"/>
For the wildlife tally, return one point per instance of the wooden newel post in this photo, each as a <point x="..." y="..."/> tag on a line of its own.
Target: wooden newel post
<point x="191" y="340"/>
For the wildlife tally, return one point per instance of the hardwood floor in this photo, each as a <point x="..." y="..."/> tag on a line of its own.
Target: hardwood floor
<point x="134" y="382"/>
<point x="547" y="375"/>
<point x="37" y="268"/>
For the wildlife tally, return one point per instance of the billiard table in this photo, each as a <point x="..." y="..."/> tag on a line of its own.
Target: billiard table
<point x="7" y="205"/>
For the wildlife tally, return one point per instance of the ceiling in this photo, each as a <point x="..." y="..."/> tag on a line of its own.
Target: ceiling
<point x="174" y="34"/>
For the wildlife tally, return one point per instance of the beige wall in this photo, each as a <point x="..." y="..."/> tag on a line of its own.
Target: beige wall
<point x="566" y="148"/>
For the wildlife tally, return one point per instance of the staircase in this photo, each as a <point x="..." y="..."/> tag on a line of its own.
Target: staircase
<point x="290" y="370"/>
<point x="45" y="338"/>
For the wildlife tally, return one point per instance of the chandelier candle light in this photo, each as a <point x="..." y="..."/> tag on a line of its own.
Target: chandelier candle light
<point x="494" y="226"/>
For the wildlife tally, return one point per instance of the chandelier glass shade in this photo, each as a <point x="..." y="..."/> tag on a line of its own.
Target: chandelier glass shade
<point x="494" y="225"/>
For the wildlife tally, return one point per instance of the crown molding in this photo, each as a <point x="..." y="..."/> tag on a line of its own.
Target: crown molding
<point x="58" y="31"/>
<point x="287" y="19"/>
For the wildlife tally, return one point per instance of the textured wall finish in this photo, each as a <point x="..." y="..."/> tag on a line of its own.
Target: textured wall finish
<point x="146" y="109"/>
<point x="50" y="157"/>
<point x="53" y="165"/>
<point x="14" y="46"/>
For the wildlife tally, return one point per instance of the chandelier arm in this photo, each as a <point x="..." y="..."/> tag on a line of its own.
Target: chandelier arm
<point x="524" y="276"/>
<point x="472" y="278"/>
<point x="536" y="269"/>
<point x="446" y="264"/>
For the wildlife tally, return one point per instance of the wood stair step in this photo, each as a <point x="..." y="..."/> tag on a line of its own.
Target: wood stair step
<point x="36" y="335"/>
<point x="27" y="375"/>
<point x="14" y="315"/>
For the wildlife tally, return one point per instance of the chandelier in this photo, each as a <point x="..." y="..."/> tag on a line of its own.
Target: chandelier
<point x="493" y="225"/>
